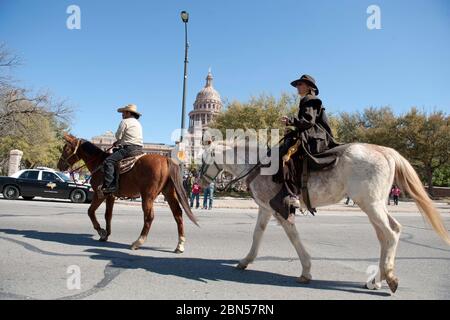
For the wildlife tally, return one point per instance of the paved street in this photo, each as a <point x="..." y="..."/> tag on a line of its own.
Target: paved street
<point x="40" y="239"/>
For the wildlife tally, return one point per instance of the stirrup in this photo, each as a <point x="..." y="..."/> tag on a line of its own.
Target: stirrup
<point x="294" y="202"/>
<point x="108" y="190"/>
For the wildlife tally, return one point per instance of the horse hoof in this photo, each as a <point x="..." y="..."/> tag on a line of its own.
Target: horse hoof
<point x="178" y="251"/>
<point x="102" y="233"/>
<point x="303" y="280"/>
<point x="393" y="284"/>
<point x="373" y="285"/>
<point x="241" y="266"/>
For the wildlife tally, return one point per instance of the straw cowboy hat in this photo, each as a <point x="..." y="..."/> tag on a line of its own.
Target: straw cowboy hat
<point x="130" y="108"/>
<point x="308" y="80"/>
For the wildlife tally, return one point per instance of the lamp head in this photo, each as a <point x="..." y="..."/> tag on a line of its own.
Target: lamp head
<point x="184" y="16"/>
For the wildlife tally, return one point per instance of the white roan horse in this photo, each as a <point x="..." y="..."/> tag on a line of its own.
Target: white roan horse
<point x="364" y="172"/>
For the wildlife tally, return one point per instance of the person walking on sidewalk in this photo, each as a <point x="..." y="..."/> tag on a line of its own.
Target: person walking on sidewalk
<point x="196" y="189"/>
<point x="395" y="192"/>
<point x="208" y="195"/>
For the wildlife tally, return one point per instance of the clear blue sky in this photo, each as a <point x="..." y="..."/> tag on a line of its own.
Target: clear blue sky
<point x="132" y="52"/>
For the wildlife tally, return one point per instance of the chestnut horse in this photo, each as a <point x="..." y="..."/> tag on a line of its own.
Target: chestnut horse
<point x="151" y="175"/>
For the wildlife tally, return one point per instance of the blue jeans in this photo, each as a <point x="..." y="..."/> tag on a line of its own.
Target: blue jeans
<point x="208" y="194"/>
<point x="197" y="202"/>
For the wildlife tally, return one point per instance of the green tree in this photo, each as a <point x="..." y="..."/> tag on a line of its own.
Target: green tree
<point x="263" y="112"/>
<point x="441" y="176"/>
<point x="349" y="128"/>
<point x="380" y="126"/>
<point x="374" y="125"/>
<point x="40" y="141"/>
<point x="425" y="140"/>
<point x="30" y="122"/>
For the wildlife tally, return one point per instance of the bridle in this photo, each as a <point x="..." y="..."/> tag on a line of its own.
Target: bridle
<point x="205" y="167"/>
<point x="74" y="153"/>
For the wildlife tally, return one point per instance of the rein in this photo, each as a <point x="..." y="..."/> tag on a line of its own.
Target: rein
<point x="72" y="171"/>
<point x="238" y="178"/>
<point x="203" y="171"/>
<point x="205" y="167"/>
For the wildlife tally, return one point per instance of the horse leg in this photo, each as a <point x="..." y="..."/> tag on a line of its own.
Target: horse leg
<point x="96" y="202"/>
<point x="375" y="283"/>
<point x="381" y="275"/>
<point x="389" y="232"/>
<point x="149" y="214"/>
<point x="108" y="216"/>
<point x="261" y="224"/>
<point x="305" y="258"/>
<point x="396" y="227"/>
<point x="178" y="215"/>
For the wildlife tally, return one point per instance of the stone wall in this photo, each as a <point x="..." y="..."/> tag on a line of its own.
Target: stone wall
<point x="15" y="156"/>
<point x="440" y="192"/>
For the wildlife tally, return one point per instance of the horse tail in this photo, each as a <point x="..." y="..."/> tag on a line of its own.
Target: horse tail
<point x="175" y="176"/>
<point x="407" y="178"/>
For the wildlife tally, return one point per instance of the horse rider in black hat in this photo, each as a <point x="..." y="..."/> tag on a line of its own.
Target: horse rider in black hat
<point x="311" y="135"/>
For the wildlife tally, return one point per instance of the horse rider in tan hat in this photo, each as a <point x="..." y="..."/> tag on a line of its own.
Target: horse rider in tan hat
<point x="129" y="142"/>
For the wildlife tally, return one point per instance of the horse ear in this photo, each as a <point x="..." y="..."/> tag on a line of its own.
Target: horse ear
<point x="68" y="137"/>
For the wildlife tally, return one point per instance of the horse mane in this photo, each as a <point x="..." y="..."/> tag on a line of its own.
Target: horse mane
<point x="91" y="149"/>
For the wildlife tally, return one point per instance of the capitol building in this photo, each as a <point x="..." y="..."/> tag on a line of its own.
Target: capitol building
<point x="206" y="106"/>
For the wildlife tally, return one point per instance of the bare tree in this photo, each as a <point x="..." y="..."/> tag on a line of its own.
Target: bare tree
<point x="8" y="61"/>
<point x="17" y="103"/>
<point x="31" y="121"/>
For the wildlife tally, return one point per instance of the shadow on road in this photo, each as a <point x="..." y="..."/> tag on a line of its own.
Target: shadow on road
<point x="73" y="239"/>
<point x="197" y="269"/>
<point x="207" y="270"/>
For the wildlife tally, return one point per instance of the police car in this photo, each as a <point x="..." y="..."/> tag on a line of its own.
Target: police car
<point x="46" y="183"/>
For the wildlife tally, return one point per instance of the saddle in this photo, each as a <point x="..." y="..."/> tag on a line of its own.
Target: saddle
<point x="307" y="164"/>
<point x="125" y="165"/>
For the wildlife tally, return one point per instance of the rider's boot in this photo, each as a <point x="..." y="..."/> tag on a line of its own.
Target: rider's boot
<point x="107" y="190"/>
<point x="285" y="204"/>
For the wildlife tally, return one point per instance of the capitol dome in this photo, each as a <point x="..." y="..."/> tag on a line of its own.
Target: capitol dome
<point x="208" y="93"/>
<point x="207" y="104"/>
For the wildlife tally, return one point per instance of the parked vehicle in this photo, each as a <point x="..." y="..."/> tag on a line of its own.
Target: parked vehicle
<point x="46" y="183"/>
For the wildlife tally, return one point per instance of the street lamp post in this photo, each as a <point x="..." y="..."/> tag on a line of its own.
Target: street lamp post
<point x="185" y="19"/>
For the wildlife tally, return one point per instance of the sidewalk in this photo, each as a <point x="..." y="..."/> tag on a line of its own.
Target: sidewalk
<point x="244" y="203"/>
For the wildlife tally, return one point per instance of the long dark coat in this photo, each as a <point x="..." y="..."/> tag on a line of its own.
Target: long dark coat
<point x="313" y="129"/>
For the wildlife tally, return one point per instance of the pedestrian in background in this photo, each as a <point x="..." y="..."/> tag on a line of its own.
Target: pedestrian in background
<point x="212" y="186"/>
<point x="395" y="192"/>
<point x="196" y="189"/>
<point x="208" y="195"/>
<point x="187" y="184"/>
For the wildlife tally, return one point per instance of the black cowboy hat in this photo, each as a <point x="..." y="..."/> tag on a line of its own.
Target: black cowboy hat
<point x="308" y="80"/>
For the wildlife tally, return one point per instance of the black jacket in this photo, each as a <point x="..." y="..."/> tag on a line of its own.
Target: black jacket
<point x="313" y="127"/>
